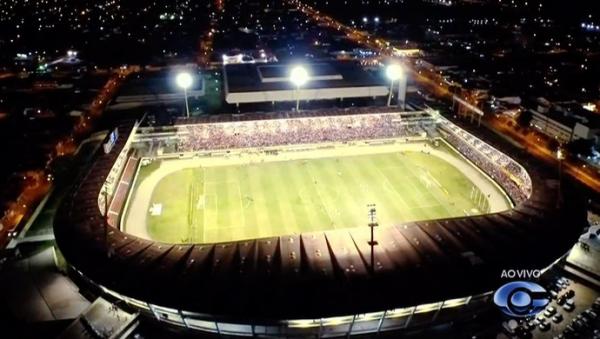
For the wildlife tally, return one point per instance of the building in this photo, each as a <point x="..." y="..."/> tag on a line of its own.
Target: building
<point x="153" y="88"/>
<point x="564" y="122"/>
<point x="583" y="259"/>
<point x="256" y="83"/>
<point x="315" y="284"/>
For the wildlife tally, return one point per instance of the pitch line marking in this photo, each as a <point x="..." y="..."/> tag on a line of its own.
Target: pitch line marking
<point x="211" y="207"/>
<point x="243" y="218"/>
<point x="421" y="195"/>
<point x="216" y="211"/>
<point x="390" y="186"/>
<point x="206" y="208"/>
<point x="221" y="182"/>
<point x="325" y="207"/>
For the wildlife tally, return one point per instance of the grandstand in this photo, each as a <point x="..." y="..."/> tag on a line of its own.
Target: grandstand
<point x="317" y="282"/>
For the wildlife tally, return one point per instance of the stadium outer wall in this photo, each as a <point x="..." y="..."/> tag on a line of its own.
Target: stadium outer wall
<point x="256" y="287"/>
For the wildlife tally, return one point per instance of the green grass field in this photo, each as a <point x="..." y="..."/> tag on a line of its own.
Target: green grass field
<point x="223" y="203"/>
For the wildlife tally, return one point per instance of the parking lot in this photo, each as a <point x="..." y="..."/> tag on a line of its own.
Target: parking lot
<point x="573" y="312"/>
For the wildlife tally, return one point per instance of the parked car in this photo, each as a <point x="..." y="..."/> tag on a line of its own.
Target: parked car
<point x="561" y="300"/>
<point x="568" y="307"/>
<point x="549" y="312"/>
<point x="557" y="318"/>
<point x="591" y="315"/>
<point x="544" y="325"/>
<point x="596" y="304"/>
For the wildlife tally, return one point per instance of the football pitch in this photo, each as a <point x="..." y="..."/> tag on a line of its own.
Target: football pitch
<point x="271" y="195"/>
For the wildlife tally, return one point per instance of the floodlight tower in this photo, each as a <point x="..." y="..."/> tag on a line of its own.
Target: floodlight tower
<point x="372" y="224"/>
<point x="184" y="80"/>
<point x="396" y="72"/>
<point x="299" y="77"/>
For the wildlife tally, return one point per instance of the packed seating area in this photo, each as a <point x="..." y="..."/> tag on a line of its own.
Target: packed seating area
<point x="261" y="133"/>
<point x="112" y="181"/>
<point x="329" y="112"/>
<point x="513" y="178"/>
<point x="118" y="199"/>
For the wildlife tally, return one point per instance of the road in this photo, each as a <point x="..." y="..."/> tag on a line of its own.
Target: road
<point x="436" y="84"/>
<point x="39" y="182"/>
<point x="534" y="146"/>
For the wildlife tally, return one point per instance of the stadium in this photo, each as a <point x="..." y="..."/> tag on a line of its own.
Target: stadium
<point x="262" y="224"/>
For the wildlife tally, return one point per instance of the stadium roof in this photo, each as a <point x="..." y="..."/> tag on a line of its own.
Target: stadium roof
<point x="251" y="83"/>
<point x="325" y="273"/>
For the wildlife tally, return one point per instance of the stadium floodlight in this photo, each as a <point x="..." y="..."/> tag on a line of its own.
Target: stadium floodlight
<point x="184" y="80"/>
<point x="299" y="77"/>
<point x="396" y="72"/>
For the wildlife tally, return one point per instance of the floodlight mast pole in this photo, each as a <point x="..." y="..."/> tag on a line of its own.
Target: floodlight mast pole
<point x="389" y="102"/>
<point x="298" y="77"/>
<point x="372" y="224"/>
<point x="187" y="106"/>
<point x="297" y="98"/>
<point x="402" y="83"/>
<point x="184" y="81"/>
<point x="395" y="72"/>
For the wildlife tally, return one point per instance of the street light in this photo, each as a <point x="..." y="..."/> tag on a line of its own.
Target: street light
<point x="396" y="72"/>
<point x="299" y="77"/>
<point x="184" y="80"/>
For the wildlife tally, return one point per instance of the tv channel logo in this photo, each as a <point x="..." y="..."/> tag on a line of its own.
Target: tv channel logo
<point x="519" y="299"/>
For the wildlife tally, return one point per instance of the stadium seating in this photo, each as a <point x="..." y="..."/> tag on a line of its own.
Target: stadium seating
<point x="285" y="277"/>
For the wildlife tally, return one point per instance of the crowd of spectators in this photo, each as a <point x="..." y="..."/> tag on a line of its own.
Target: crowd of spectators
<point x="110" y="185"/>
<point x="315" y="113"/>
<point x="508" y="173"/>
<point x="262" y="133"/>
